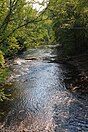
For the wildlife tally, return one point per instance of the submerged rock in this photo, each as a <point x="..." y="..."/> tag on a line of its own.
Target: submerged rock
<point x="31" y="58"/>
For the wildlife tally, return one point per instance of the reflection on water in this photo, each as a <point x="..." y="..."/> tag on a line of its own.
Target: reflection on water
<point x="42" y="102"/>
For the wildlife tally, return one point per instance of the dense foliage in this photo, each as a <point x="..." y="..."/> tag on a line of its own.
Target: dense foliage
<point x="70" y="23"/>
<point x="21" y="27"/>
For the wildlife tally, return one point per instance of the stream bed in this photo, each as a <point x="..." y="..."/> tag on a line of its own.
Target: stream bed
<point x="41" y="101"/>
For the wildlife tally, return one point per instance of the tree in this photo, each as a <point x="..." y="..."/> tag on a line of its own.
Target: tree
<point x="70" y="24"/>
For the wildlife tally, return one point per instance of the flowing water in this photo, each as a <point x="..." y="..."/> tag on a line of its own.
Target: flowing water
<point x="41" y="101"/>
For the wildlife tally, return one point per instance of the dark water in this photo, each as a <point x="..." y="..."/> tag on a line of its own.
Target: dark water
<point x="41" y="101"/>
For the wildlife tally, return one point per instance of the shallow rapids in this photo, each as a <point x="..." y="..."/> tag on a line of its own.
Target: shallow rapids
<point x="41" y="102"/>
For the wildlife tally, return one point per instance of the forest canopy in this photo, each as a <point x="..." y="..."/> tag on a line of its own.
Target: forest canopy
<point x="21" y="27"/>
<point x="62" y="21"/>
<point x="70" y="24"/>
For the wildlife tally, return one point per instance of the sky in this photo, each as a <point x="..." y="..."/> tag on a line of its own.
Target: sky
<point x="37" y="6"/>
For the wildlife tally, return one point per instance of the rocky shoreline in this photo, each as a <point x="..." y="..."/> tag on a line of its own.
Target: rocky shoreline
<point x="80" y="62"/>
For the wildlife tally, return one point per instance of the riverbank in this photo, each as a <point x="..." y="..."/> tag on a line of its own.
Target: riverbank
<point x="80" y="62"/>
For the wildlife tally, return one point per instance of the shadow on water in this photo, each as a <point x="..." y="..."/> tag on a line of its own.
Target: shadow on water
<point x="71" y="114"/>
<point x="41" y="100"/>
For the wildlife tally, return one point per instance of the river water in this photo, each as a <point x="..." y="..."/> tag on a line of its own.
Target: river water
<point x="41" y="101"/>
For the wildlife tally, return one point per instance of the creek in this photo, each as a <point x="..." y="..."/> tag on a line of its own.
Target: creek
<point x="41" y="102"/>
